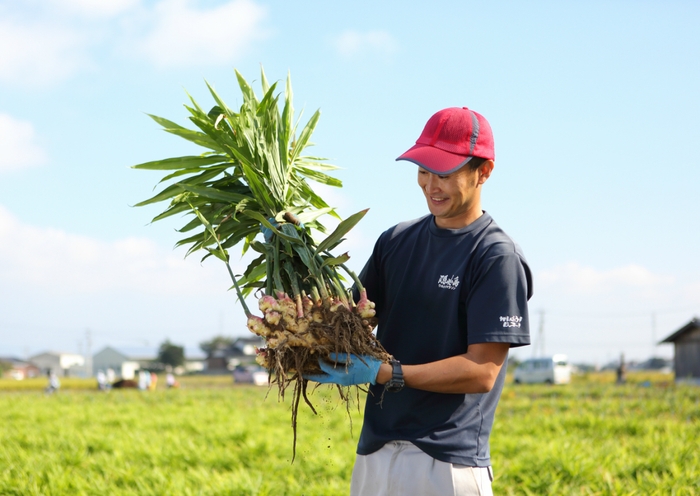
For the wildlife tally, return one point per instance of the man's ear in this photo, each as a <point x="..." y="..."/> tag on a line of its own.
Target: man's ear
<point x="485" y="171"/>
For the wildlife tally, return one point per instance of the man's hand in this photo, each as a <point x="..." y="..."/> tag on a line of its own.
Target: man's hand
<point x="348" y="370"/>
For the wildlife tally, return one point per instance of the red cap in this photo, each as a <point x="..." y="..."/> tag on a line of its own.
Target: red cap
<point x="450" y="139"/>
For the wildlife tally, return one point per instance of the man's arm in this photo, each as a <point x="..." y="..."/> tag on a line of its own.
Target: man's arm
<point x="473" y="372"/>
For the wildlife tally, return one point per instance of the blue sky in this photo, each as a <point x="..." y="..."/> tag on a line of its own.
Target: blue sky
<point x="595" y="110"/>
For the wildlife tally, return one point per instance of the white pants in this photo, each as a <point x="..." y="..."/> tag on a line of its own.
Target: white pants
<point x="402" y="469"/>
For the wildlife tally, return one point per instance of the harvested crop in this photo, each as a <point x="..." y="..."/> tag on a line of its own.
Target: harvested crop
<point x="250" y="187"/>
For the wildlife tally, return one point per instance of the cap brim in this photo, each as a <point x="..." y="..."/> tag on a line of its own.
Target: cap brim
<point x="434" y="159"/>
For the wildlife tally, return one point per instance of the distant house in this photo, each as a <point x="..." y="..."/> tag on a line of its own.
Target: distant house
<point x="686" y="360"/>
<point x="19" y="369"/>
<point x="63" y="364"/>
<point x="126" y="361"/>
<point x="240" y="352"/>
<point x="195" y="361"/>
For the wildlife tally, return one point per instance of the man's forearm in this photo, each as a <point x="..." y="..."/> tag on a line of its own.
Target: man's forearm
<point x="473" y="372"/>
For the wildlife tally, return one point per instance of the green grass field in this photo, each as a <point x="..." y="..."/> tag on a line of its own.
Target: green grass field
<point x="214" y="438"/>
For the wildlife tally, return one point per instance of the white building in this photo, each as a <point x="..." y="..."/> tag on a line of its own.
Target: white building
<point x="63" y="364"/>
<point x="126" y="361"/>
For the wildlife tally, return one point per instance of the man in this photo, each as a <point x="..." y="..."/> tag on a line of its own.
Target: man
<point x="54" y="382"/>
<point x="451" y="292"/>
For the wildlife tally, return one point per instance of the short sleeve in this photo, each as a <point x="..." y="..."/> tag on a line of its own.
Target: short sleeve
<point x="497" y="302"/>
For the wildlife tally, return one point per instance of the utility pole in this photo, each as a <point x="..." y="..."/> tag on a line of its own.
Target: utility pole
<point x="88" y="353"/>
<point x="542" y="351"/>
<point x="538" y="349"/>
<point x="653" y="334"/>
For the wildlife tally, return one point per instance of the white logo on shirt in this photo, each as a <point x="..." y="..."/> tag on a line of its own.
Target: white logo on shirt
<point x="512" y="321"/>
<point x="446" y="282"/>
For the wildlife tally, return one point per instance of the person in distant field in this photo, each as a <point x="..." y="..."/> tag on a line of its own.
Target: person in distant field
<point x="153" y="382"/>
<point x="101" y="380"/>
<point x="170" y="381"/>
<point x="111" y="376"/>
<point x="451" y="291"/>
<point x="622" y="370"/>
<point x="144" y="380"/>
<point x="54" y="382"/>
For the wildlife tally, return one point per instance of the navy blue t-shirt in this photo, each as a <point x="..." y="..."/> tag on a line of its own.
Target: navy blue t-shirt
<point x="436" y="292"/>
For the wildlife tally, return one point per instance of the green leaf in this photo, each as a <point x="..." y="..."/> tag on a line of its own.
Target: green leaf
<point x="305" y="135"/>
<point x="266" y="223"/>
<point x="215" y="194"/>
<point x="221" y="104"/>
<point x="254" y="167"/>
<point x="184" y="172"/>
<point x="333" y="245"/>
<point x="315" y="163"/>
<point x="262" y="248"/>
<point x="193" y="136"/>
<point x="172" y="210"/>
<point x="320" y="177"/>
<point x="248" y="93"/>
<point x="340" y="231"/>
<point x="286" y="125"/>
<point x="182" y="162"/>
<point x="260" y="191"/>
<point x="311" y="215"/>
<point x="176" y="189"/>
<point x="253" y="277"/>
<point x="197" y="108"/>
<point x="223" y="256"/>
<point x="333" y="261"/>
<point x="263" y="80"/>
<point x="215" y="113"/>
<point x="168" y="192"/>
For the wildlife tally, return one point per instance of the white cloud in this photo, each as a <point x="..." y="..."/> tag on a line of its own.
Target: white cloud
<point x="594" y="314"/>
<point x="42" y="43"/>
<point x="592" y="306"/>
<point x="620" y="291"/>
<point x="576" y="279"/>
<point x="18" y="146"/>
<point x="184" y="35"/>
<point x="61" y="262"/>
<point x="351" y="43"/>
<point x="54" y="284"/>
<point x="39" y="53"/>
<point x="94" y="8"/>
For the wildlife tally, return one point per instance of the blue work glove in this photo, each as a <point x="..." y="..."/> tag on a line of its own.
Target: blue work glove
<point x="267" y="232"/>
<point x="349" y="370"/>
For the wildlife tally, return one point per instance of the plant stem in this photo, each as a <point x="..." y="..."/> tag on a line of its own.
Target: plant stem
<point x="354" y="277"/>
<point x="248" y="314"/>
<point x="276" y="267"/>
<point x="225" y="256"/>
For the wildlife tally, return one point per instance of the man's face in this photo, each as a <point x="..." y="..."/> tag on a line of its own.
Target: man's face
<point x="454" y="199"/>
